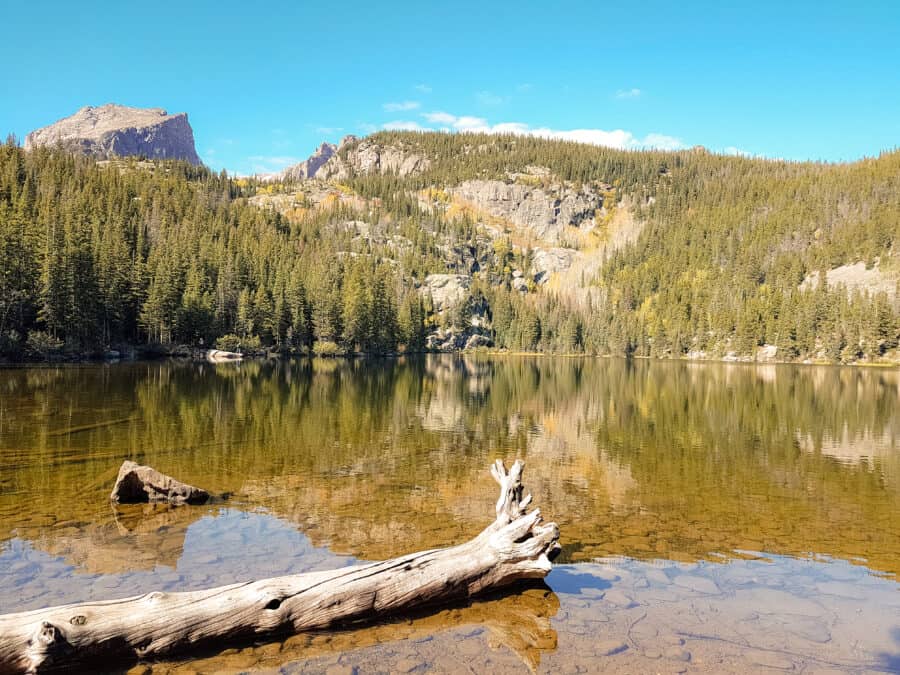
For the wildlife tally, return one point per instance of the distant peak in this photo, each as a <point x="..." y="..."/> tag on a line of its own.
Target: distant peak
<point x="115" y="130"/>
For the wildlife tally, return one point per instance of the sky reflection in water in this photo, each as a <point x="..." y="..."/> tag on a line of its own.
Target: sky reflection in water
<point x="665" y="479"/>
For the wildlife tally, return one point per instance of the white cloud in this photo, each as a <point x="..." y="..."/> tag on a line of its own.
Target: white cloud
<point x="398" y="106"/>
<point x="439" y="117"/>
<point x="634" y="92"/>
<point x="524" y="87"/>
<point x="489" y="98"/>
<point x="423" y="88"/>
<point x="329" y="130"/>
<point x="617" y="138"/>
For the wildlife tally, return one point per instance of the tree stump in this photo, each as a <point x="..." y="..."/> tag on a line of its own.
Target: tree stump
<point x="517" y="545"/>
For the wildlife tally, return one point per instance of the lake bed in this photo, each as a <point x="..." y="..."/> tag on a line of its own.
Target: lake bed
<point x="714" y="517"/>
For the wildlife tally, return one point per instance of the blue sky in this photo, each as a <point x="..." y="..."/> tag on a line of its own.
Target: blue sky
<point x="264" y="84"/>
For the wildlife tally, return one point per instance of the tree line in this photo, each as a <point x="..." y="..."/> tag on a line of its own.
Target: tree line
<point x="733" y="254"/>
<point x="95" y="254"/>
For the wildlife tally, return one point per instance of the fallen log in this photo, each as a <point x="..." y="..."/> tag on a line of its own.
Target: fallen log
<point x="517" y="545"/>
<point x="138" y="484"/>
<point x="221" y="356"/>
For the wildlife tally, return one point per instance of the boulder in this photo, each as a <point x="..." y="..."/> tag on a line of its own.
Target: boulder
<point x="137" y="484"/>
<point x="478" y="340"/>
<point x="220" y="355"/>
<point x="766" y="353"/>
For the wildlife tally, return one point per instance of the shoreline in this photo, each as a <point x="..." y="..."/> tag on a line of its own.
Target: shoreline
<point x="199" y="355"/>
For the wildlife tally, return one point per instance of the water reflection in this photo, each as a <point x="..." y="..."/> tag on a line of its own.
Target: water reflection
<point x="671" y="460"/>
<point x="648" y="464"/>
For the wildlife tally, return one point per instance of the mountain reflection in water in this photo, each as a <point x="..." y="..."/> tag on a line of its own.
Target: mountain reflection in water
<point x="723" y="517"/>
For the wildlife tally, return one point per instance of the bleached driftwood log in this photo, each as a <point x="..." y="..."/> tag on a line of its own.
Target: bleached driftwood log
<point x="220" y="356"/>
<point x="517" y="545"/>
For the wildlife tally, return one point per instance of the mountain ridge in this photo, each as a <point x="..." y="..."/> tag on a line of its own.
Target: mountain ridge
<point x="114" y="130"/>
<point x="436" y="241"/>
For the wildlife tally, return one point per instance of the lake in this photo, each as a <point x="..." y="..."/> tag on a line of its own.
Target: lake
<point x="714" y="517"/>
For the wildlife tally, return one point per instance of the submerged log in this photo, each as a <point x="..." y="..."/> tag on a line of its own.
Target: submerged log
<point x="517" y="545"/>
<point x="138" y="484"/>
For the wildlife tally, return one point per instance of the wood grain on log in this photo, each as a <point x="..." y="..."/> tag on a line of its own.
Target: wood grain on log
<point x="517" y="545"/>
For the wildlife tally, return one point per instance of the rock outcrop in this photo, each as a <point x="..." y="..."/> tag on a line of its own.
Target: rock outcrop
<point x="464" y="321"/>
<point x="545" y="212"/>
<point x="545" y="262"/>
<point x="446" y="290"/>
<point x="114" y="130"/>
<point x="309" y="167"/>
<point x="366" y="156"/>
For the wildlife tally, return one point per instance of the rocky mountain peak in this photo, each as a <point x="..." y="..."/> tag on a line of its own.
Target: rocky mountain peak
<point x="114" y="130"/>
<point x="363" y="156"/>
<point x="308" y="167"/>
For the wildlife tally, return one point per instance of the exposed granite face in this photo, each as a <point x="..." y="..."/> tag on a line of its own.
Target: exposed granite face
<point x="119" y="131"/>
<point x="365" y="156"/>
<point x="547" y="212"/>
<point x="309" y="167"/>
<point x="446" y="290"/>
<point x="545" y="262"/>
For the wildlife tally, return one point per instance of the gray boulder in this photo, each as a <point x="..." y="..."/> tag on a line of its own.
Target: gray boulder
<point x="137" y="483"/>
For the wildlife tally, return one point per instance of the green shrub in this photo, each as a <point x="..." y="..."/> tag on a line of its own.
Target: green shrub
<point x="327" y="348"/>
<point x="233" y="343"/>
<point x="229" y="343"/>
<point x="41" y="343"/>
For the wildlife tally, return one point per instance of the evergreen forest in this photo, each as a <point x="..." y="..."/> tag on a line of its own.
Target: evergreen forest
<point x="733" y="254"/>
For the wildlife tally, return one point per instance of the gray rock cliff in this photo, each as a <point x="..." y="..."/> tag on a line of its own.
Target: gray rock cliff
<point x="113" y="130"/>
<point x="309" y="167"/>
<point x="545" y="212"/>
<point x="365" y="156"/>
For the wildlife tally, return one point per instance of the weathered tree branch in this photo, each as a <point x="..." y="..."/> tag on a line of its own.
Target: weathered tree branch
<point x="517" y="545"/>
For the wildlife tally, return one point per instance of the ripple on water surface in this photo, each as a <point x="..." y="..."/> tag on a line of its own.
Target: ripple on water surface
<point x="714" y="518"/>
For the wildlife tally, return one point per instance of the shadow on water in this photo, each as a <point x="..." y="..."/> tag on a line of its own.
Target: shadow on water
<point x="891" y="660"/>
<point x="567" y="581"/>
